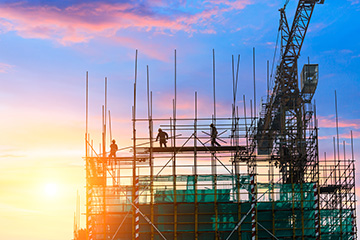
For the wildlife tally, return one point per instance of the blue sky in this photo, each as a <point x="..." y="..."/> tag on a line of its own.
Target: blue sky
<point x="47" y="46"/>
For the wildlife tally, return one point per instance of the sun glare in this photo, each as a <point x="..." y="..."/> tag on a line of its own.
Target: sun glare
<point x="51" y="189"/>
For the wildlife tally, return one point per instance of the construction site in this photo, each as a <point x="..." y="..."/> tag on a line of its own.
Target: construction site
<point x="245" y="176"/>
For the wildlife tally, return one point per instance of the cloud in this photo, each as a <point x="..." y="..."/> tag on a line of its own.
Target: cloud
<point x="329" y="122"/>
<point x="4" y="67"/>
<point x="317" y="27"/>
<point x="346" y="51"/>
<point x="353" y="2"/>
<point x="80" y="23"/>
<point x="10" y="156"/>
<point x="230" y="5"/>
<point x="156" y="51"/>
<point x="356" y="135"/>
<point x="6" y="208"/>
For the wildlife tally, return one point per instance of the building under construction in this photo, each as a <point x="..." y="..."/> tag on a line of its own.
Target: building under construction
<point x="264" y="181"/>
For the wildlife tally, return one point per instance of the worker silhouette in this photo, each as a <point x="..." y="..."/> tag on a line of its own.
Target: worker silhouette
<point x="113" y="149"/>
<point x="163" y="136"/>
<point x="213" y="135"/>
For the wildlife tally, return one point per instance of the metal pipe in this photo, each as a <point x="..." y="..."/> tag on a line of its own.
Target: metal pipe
<point x="110" y="127"/>
<point x="87" y="104"/>
<point x="334" y="159"/>
<point x="175" y="87"/>
<point x="268" y="82"/>
<point x="254" y="82"/>
<point x="134" y="190"/>
<point x="337" y="127"/>
<point x="195" y="171"/>
<point x="86" y="155"/>
<point x="148" y="89"/>
<point x="150" y="150"/>
<point x="105" y="112"/>
<point x="352" y="146"/>
<point x="214" y="85"/>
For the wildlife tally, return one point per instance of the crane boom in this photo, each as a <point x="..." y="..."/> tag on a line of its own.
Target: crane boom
<point x="283" y="116"/>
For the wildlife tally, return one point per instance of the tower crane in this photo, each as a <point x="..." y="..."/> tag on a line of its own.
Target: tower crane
<point x="284" y="117"/>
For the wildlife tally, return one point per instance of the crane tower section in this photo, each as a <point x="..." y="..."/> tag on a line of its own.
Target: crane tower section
<point x="284" y="118"/>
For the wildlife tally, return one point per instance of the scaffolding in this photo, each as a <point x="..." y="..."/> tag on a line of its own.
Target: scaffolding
<point x="265" y="179"/>
<point x="194" y="190"/>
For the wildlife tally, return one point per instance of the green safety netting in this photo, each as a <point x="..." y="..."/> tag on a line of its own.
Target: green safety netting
<point x="285" y="210"/>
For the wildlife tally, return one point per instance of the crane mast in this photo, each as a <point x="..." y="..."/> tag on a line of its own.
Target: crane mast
<point x="283" y="120"/>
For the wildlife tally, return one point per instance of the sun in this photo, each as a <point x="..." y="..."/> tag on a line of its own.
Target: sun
<point x="51" y="189"/>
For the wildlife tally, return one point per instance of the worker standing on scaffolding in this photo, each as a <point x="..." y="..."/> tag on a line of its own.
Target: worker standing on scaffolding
<point x="113" y="149"/>
<point x="213" y="135"/>
<point x="163" y="136"/>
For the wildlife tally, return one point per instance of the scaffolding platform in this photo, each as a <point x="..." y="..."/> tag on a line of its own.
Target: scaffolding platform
<point x="123" y="160"/>
<point x="192" y="149"/>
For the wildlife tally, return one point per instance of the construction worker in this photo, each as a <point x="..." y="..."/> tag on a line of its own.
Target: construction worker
<point x="213" y="135"/>
<point x="113" y="149"/>
<point x="163" y="136"/>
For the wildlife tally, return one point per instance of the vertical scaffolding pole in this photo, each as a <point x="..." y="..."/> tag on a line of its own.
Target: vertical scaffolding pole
<point x="104" y="160"/>
<point x="235" y="140"/>
<point x="87" y="115"/>
<point x="89" y="227"/>
<point x="175" y="193"/>
<point x="195" y="173"/>
<point x="353" y="210"/>
<point x="246" y="128"/>
<point x="302" y="211"/>
<point x="149" y="106"/>
<point x="174" y="153"/>
<point x="352" y="146"/>
<point x="268" y="82"/>
<point x="105" y="113"/>
<point x="151" y="161"/>
<point x="104" y="165"/>
<point x="253" y="207"/>
<point x="255" y="113"/>
<point x="110" y="132"/>
<point x="339" y="166"/>
<point x="335" y="163"/>
<point x="175" y="87"/>
<point x="213" y="160"/>
<point x="337" y="127"/>
<point x="214" y="95"/>
<point x="272" y="198"/>
<point x="316" y="207"/>
<point x="135" y="190"/>
<point x="317" y="176"/>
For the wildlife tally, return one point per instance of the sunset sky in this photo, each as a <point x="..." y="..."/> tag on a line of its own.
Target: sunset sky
<point x="46" y="47"/>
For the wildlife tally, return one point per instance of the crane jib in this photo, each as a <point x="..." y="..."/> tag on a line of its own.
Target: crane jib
<point x="283" y="118"/>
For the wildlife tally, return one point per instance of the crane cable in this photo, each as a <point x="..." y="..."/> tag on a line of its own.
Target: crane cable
<point x="273" y="61"/>
<point x="276" y="46"/>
